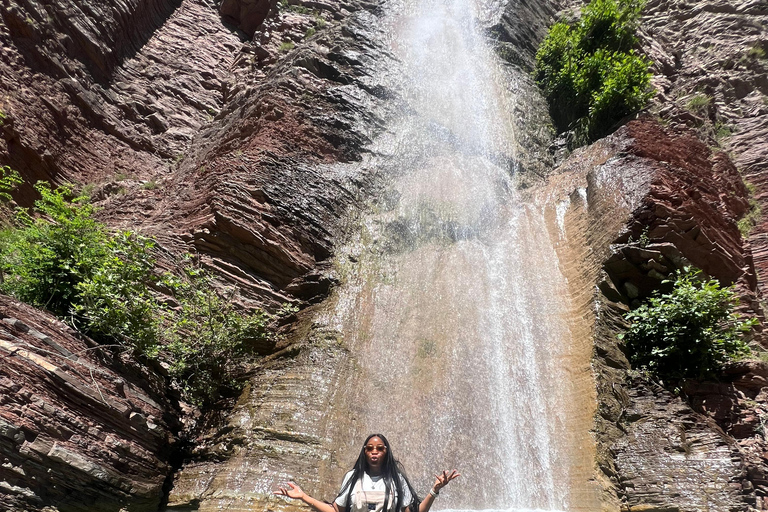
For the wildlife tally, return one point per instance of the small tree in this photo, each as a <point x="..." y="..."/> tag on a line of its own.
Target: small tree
<point x="689" y="332"/>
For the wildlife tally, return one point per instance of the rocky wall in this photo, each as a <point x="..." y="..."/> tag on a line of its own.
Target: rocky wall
<point x="341" y="83"/>
<point x="632" y="208"/>
<point x="82" y="427"/>
<point x="255" y="194"/>
<point x="711" y="74"/>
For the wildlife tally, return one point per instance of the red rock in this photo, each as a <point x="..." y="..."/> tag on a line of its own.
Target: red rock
<point x="79" y="427"/>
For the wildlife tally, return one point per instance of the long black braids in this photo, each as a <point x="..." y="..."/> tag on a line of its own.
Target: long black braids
<point x="392" y="472"/>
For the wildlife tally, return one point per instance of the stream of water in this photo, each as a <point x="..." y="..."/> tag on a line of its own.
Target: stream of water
<point x="454" y="306"/>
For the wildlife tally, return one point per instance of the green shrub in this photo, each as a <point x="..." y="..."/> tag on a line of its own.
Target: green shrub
<point x="45" y="258"/>
<point x="105" y="284"/>
<point x="589" y="72"/>
<point x="206" y="337"/>
<point x="9" y="179"/>
<point x="689" y="332"/>
<point x="115" y="300"/>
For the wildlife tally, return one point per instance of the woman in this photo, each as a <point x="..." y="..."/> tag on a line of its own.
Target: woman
<point x="376" y="483"/>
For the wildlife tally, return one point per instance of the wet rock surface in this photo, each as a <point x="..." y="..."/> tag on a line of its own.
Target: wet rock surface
<point x="632" y="208"/>
<point x="82" y="428"/>
<point x="276" y="433"/>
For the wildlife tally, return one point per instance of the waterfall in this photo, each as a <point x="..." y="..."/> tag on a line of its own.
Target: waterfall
<point x="454" y="307"/>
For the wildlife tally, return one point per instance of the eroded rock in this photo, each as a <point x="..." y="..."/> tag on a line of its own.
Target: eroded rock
<point x="82" y="428"/>
<point x="633" y="207"/>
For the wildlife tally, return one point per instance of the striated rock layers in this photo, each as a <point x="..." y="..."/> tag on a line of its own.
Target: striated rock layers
<point x="628" y="211"/>
<point x="82" y="427"/>
<point x="188" y="131"/>
<point x="279" y="429"/>
<point x="711" y="73"/>
<point x="238" y="130"/>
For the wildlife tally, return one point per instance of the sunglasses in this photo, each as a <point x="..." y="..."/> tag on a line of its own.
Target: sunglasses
<point x="379" y="448"/>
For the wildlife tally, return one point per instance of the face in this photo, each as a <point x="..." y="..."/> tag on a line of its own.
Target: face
<point x="375" y="452"/>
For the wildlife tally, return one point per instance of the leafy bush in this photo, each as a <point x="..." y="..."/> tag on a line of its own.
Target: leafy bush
<point x="46" y="257"/>
<point x="589" y="72"/>
<point x="689" y="332"/>
<point x="60" y="258"/>
<point x="207" y="339"/>
<point x="115" y="300"/>
<point x="8" y="181"/>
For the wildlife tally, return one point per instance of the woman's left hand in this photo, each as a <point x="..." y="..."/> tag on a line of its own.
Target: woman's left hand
<point x="442" y="479"/>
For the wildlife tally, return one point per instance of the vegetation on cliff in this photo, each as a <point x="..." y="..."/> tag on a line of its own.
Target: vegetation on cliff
<point x="689" y="332"/>
<point x="590" y="74"/>
<point x="59" y="257"/>
<point x="8" y="180"/>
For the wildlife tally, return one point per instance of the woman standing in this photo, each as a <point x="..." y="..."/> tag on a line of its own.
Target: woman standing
<point x="376" y="483"/>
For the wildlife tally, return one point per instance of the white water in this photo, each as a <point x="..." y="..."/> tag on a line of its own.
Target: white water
<point x="454" y="308"/>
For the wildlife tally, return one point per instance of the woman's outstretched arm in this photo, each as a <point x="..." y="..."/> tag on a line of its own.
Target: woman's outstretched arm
<point x="293" y="491"/>
<point x="441" y="480"/>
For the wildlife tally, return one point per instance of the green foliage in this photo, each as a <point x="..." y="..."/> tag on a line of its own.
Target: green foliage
<point x="286" y="46"/>
<point x="589" y="72"/>
<point x="754" y="54"/>
<point x="689" y="332"/>
<point x="284" y="5"/>
<point x="48" y="255"/>
<point x="207" y="338"/>
<point x="115" y="300"/>
<point x="753" y="215"/>
<point x="60" y="258"/>
<point x="699" y="103"/>
<point x="722" y="131"/>
<point x="9" y="179"/>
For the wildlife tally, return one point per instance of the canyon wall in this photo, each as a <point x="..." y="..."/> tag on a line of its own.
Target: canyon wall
<point x="82" y="427"/>
<point x="626" y="212"/>
<point x="183" y="128"/>
<point x="241" y="131"/>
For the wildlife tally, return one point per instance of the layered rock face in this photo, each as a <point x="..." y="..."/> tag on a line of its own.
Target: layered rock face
<point x="711" y="73"/>
<point x="255" y="193"/>
<point x="279" y="429"/>
<point x="238" y="131"/>
<point x="82" y="427"/>
<point x="663" y="200"/>
<point x="629" y="210"/>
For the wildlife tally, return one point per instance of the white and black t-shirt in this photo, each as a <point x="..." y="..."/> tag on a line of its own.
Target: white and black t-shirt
<point x="376" y="483"/>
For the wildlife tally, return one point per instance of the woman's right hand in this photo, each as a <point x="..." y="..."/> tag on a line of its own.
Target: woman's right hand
<point x="291" y="490"/>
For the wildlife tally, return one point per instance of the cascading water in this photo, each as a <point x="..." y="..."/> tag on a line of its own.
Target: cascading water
<point x="454" y="308"/>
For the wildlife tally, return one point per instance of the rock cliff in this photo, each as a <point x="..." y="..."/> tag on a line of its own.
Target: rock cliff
<point x="241" y="131"/>
<point x="711" y="74"/>
<point x="82" y="427"/>
<point x="634" y="207"/>
<point x="676" y="201"/>
<point x="184" y="128"/>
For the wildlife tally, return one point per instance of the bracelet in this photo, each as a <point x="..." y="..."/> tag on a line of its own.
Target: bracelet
<point x="434" y="493"/>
